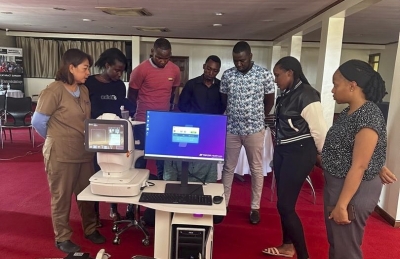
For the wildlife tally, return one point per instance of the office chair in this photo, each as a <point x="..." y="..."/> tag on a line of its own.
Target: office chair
<point x="270" y="122"/>
<point x="135" y="220"/>
<point x="2" y="117"/>
<point x="19" y="110"/>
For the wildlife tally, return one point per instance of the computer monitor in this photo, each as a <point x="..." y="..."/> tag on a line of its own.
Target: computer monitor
<point x="185" y="137"/>
<point x="109" y="136"/>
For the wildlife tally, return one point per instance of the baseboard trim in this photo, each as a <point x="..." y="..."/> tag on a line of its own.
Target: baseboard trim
<point x="389" y="219"/>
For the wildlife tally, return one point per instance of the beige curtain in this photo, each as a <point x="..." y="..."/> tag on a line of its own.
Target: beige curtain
<point x="95" y="48"/>
<point x="42" y="56"/>
<point x="64" y="45"/>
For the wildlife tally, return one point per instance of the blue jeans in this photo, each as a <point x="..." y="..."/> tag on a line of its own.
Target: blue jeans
<point x="139" y="133"/>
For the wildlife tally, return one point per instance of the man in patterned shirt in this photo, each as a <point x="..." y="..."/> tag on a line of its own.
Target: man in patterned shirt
<point x="248" y="90"/>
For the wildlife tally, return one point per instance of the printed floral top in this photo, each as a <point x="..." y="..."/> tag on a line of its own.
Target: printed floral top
<point x="245" y="108"/>
<point x="337" y="152"/>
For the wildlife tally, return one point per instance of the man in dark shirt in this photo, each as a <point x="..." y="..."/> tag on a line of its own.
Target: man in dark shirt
<point x="201" y="94"/>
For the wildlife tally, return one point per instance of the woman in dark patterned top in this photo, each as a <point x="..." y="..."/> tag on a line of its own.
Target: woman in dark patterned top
<point x="300" y="135"/>
<point x="353" y="155"/>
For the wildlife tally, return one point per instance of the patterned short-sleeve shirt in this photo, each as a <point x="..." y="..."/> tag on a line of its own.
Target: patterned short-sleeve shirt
<point x="246" y="94"/>
<point x="337" y="152"/>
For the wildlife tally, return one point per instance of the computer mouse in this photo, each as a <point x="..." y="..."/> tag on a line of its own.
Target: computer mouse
<point x="217" y="199"/>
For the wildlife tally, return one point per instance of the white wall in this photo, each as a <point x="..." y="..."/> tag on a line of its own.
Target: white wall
<point x="386" y="66"/>
<point x="390" y="197"/>
<point x="309" y="62"/>
<point x="35" y="85"/>
<point x="198" y="53"/>
<point x="38" y="84"/>
<point x="6" y="41"/>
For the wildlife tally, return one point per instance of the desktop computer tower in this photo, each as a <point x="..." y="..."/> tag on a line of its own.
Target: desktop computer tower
<point x="189" y="242"/>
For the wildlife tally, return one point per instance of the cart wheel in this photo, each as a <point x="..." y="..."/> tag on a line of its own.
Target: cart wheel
<point x="116" y="241"/>
<point x="145" y="241"/>
<point x="115" y="229"/>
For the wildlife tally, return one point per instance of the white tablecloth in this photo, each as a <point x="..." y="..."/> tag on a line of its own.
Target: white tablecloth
<point x="243" y="167"/>
<point x="13" y="93"/>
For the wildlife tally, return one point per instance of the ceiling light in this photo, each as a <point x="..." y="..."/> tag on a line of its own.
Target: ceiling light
<point x="87" y="20"/>
<point x="151" y="29"/>
<point x="121" y="11"/>
<point x="219" y="14"/>
<point x="59" y="9"/>
<point x="6" y="12"/>
<point x="268" y="20"/>
<point x="217" y="25"/>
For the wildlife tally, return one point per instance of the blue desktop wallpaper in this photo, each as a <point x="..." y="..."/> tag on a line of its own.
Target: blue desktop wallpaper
<point x="211" y="139"/>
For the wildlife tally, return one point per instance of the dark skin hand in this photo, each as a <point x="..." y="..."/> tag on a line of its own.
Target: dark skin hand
<point x="224" y="99"/>
<point x="132" y="95"/>
<point x="269" y="100"/>
<point x="319" y="161"/>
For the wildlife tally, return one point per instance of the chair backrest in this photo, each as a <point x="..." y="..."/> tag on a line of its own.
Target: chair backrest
<point x="2" y="102"/>
<point x="2" y="108"/>
<point x="19" y="108"/>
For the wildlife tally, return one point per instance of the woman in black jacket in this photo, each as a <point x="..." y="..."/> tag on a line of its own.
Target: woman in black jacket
<point x="300" y="135"/>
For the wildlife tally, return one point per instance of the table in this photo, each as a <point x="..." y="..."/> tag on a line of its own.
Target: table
<point x="13" y="93"/>
<point x="243" y="167"/>
<point x="163" y="221"/>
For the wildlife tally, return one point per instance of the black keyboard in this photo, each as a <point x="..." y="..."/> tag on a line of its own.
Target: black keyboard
<point x="174" y="198"/>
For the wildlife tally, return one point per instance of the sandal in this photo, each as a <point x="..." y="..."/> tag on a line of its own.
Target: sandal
<point x="275" y="252"/>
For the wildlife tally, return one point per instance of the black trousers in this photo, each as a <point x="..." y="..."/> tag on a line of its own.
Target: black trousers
<point x="293" y="162"/>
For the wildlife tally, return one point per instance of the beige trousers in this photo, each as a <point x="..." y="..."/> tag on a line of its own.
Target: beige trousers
<point x="64" y="180"/>
<point x="253" y="144"/>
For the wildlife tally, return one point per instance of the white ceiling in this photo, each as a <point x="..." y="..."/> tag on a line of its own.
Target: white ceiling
<point x="242" y="19"/>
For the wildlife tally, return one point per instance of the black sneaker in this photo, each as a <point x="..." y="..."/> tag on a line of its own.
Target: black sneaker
<point x="255" y="217"/>
<point x="217" y="219"/>
<point x="67" y="246"/>
<point x="96" y="237"/>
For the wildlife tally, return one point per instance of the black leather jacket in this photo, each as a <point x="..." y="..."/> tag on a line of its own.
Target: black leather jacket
<point x="290" y="125"/>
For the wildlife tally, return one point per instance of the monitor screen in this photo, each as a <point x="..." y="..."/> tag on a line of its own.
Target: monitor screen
<point x="109" y="136"/>
<point x="185" y="136"/>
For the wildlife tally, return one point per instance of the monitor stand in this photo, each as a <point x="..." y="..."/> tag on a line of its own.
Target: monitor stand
<point x="184" y="187"/>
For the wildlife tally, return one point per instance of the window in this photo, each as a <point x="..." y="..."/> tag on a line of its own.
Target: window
<point x="374" y="61"/>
